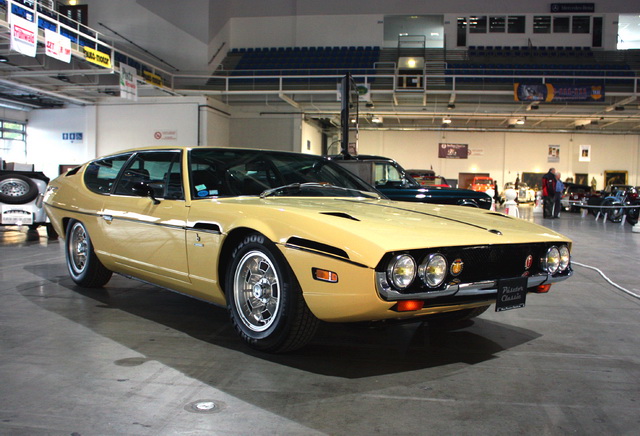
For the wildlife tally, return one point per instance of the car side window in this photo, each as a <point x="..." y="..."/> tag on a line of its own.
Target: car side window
<point x="161" y="170"/>
<point x="100" y="175"/>
<point x="387" y="175"/>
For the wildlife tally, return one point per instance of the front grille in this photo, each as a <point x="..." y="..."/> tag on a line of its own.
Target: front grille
<point x="481" y="263"/>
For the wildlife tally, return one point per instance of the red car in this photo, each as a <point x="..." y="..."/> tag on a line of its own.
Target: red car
<point x="481" y="183"/>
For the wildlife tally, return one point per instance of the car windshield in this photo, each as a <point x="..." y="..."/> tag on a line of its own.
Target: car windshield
<point x="230" y="173"/>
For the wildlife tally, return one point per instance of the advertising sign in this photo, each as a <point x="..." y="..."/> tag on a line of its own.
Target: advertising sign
<point x="24" y="36"/>
<point x="548" y="92"/>
<point x="152" y="79"/>
<point x="97" y="57"/>
<point x="453" y="151"/>
<point x="57" y="46"/>
<point x="128" y="83"/>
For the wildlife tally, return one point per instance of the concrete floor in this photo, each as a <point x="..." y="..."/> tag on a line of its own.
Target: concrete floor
<point x="133" y="359"/>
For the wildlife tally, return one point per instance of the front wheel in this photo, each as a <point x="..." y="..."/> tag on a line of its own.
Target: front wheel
<point x="84" y="266"/>
<point x="265" y="301"/>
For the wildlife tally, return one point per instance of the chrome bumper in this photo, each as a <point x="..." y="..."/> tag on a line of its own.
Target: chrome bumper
<point x="485" y="288"/>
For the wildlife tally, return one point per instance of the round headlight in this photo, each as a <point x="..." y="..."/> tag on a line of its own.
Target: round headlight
<point x="433" y="270"/>
<point x="401" y="271"/>
<point x="552" y="260"/>
<point x="565" y="256"/>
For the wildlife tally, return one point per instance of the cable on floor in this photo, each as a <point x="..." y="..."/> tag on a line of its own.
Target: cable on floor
<point x="626" y="291"/>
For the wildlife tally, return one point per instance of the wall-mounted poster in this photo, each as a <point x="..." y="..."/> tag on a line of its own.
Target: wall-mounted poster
<point x="585" y="153"/>
<point x="453" y="151"/>
<point x="554" y="153"/>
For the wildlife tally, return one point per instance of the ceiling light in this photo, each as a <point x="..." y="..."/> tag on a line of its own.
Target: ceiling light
<point x="446" y="121"/>
<point x="520" y="121"/>
<point x="4" y="59"/>
<point x="376" y="119"/>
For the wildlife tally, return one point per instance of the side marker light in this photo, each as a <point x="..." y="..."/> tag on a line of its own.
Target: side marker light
<point x="324" y="276"/>
<point x="543" y="289"/>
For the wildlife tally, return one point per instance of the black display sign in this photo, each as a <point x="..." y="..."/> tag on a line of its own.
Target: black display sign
<point x="512" y="293"/>
<point x="573" y="7"/>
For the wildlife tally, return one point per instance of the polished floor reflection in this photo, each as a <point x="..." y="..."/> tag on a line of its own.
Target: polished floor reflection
<point x="138" y="360"/>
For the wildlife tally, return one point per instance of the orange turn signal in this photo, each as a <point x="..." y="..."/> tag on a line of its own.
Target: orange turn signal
<point x="324" y="276"/>
<point x="409" y="305"/>
<point x="543" y="289"/>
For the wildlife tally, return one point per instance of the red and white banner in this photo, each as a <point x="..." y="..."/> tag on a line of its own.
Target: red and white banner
<point x="24" y="36"/>
<point x="57" y="46"/>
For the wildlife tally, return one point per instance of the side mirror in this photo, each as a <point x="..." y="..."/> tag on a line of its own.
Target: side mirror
<point x="145" y="190"/>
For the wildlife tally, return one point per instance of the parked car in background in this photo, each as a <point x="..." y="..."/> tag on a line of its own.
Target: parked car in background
<point x="21" y="195"/>
<point x="393" y="181"/>
<point x="596" y="198"/>
<point x="286" y="240"/>
<point x="428" y="178"/>
<point x="481" y="183"/>
<point x="574" y="195"/>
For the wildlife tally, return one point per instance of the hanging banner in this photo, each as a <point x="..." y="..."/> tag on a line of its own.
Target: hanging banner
<point x="548" y="92"/>
<point x="128" y="83"/>
<point x="57" y="46"/>
<point x="453" y="151"/>
<point x="152" y="79"/>
<point x="24" y="36"/>
<point x="97" y="57"/>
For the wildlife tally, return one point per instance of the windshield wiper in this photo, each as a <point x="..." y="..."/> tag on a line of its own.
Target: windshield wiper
<point x="296" y="187"/>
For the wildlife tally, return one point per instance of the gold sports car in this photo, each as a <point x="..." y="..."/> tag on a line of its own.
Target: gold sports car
<point x="286" y="240"/>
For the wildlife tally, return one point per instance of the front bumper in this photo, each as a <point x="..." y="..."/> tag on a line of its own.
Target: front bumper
<point x="484" y="289"/>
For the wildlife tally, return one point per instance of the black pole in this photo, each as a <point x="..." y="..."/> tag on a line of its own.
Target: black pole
<point x="344" y="116"/>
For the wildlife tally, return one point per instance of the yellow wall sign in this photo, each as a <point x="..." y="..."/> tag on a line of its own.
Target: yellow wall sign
<point x="97" y="57"/>
<point x="152" y="79"/>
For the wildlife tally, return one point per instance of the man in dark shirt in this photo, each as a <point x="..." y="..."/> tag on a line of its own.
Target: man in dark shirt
<point x="548" y="192"/>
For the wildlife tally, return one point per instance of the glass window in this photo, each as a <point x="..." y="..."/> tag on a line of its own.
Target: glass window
<point x="581" y="24"/>
<point x="542" y="24"/>
<point x="516" y="24"/>
<point x="497" y="24"/>
<point x="478" y="24"/>
<point x="159" y="169"/>
<point x="100" y="175"/>
<point x="225" y="173"/>
<point x="560" y="24"/>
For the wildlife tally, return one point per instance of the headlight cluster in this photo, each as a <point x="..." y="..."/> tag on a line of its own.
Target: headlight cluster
<point x="402" y="270"/>
<point x="556" y="259"/>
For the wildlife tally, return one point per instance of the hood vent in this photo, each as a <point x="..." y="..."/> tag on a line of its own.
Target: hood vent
<point x="295" y="242"/>
<point x="340" y="215"/>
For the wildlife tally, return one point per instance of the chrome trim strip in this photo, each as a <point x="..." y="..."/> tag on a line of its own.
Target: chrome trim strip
<point x="464" y="289"/>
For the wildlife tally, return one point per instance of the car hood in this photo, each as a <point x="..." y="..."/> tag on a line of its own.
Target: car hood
<point x="383" y="225"/>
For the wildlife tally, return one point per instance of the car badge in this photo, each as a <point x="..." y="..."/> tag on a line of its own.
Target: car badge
<point x="528" y="262"/>
<point x="456" y="267"/>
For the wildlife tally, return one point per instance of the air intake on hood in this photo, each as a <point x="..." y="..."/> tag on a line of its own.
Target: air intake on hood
<point x="340" y="215"/>
<point x="316" y="246"/>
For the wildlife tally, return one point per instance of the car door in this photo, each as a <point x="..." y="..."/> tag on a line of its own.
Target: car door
<point x="147" y="233"/>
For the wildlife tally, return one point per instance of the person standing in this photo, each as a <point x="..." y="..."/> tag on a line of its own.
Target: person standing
<point x="559" y="189"/>
<point x="548" y="192"/>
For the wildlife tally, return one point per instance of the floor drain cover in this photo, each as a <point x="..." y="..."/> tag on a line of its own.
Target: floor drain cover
<point x="205" y="406"/>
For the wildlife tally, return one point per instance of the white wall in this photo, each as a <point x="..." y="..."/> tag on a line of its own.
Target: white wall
<point x="311" y="142"/>
<point x="504" y="155"/>
<point x="272" y="132"/>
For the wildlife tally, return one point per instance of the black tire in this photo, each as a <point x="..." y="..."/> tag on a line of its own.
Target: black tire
<point x="265" y="301"/>
<point x="613" y="215"/>
<point x="632" y="215"/>
<point x="84" y="266"/>
<point x="17" y="189"/>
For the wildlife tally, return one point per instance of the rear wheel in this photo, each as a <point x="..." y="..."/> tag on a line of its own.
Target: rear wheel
<point x="84" y="266"/>
<point x="265" y="301"/>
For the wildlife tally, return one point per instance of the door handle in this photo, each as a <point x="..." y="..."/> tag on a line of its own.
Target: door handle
<point x="107" y="218"/>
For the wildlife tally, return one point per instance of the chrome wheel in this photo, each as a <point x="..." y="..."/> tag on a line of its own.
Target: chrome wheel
<point x="256" y="289"/>
<point x="78" y="248"/>
<point x="14" y="187"/>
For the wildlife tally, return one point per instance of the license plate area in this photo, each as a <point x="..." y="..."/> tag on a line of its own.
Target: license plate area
<point x="16" y="215"/>
<point x="512" y="294"/>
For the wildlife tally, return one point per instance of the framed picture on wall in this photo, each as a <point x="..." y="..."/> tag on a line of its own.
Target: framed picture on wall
<point x="615" y="177"/>
<point x="582" y="179"/>
<point x="585" y="153"/>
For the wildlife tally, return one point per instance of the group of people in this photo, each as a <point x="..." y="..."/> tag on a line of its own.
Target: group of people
<point x="552" y="188"/>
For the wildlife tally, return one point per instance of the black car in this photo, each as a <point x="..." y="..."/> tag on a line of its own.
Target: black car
<point x="393" y="181"/>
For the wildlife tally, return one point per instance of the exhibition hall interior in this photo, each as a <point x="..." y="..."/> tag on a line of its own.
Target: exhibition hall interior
<point x="319" y="218"/>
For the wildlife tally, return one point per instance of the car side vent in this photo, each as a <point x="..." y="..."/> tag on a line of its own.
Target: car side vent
<point x="72" y="172"/>
<point x="208" y="227"/>
<point x="340" y="215"/>
<point x="294" y="242"/>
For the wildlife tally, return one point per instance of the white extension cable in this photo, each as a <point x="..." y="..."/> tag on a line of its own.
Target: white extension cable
<point x="626" y="291"/>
